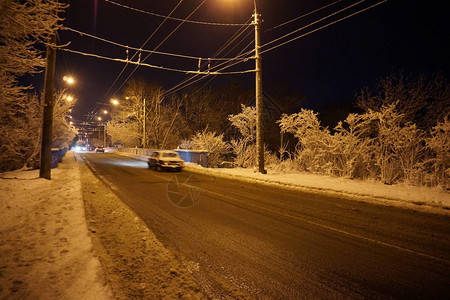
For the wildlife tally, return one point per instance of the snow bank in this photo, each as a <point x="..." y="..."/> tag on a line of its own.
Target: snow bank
<point x="371" y="191"/>
<point x="45" y="249"/>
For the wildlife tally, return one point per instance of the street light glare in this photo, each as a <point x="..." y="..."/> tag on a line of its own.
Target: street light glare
<point x="105" y="111"/>
<point x="69" y="98"/>
<point x="99" y="118"/>
<point x="69" y="79"/>
<point x="115" y="101"/>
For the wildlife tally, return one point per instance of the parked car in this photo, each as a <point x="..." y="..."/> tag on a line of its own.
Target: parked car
<point x="165" y="160"/>
<point x="100" y="149"/>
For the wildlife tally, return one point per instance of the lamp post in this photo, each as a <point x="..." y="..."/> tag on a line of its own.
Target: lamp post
<point x="258" y="94"/>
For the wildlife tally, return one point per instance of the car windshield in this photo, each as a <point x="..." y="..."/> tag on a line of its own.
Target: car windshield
<point x="169" y="155"/>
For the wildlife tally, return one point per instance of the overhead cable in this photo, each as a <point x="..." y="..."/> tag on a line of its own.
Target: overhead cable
<point x="145" y="50"/>
<point x="171" y="18"/>
<point x="184" y="83"/>
<point x="322" y="27"/>
<point x="162" y="42"/>
<point x="315" y="22"/>
<point x="305" y="15"/>
<point x="157" y="67"/>
<point x="143" y="45"/>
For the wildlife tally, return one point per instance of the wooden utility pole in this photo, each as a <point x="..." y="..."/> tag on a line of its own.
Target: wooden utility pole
<point x="259" y="96"/>
<point x="47" y="124"/>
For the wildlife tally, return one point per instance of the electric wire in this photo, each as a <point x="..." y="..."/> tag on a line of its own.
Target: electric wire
<point x="162" y="42"/>
<point x="322" y="27"/>
<point x="154" y="66"/>
<point x="143" y="45"/>
<point x="146" y="50"/>
<point x="171" y="18"/>
<point x="303" y="16"/>
<point x="236" y="35"/>
<point x="186" y="83"/>
<point x="313" y="23"/>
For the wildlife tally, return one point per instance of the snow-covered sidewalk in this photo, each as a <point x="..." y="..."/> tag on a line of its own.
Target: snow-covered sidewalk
<point x="45" y="248"/>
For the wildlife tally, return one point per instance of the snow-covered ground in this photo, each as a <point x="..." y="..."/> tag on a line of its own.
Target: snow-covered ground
<point x="45" y="248"/>
<point x="46" y="251"/>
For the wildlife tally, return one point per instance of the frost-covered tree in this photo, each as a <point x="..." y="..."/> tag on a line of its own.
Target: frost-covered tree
<point x="350" y="146"/>
<point x="397" y="145"/>
<point x="245" y="122"/>
<point x="23" y="25"/>
<point x="162" y="116"/>
<point x="439" y="143"/>
<point x="125" y="132"/>
<point x="63" y="131"/>
<point x="214" y="143"/>
<point x="20" y="127"/>
<point x="244" y="147"/>
<point x="315" y="142"/>
<point x="422" y="100"/>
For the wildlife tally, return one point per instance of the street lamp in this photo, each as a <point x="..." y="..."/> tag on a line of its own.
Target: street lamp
<point x="69" y="79"/>
<point x="114" y="101"/>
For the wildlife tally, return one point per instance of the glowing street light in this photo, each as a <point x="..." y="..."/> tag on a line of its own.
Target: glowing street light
<point x="114" y="101"/>
<point x="69" y="98"/>
<point x="105" y="112"/>
<point x="69" y="80"/>
<point x="99" y="118"/>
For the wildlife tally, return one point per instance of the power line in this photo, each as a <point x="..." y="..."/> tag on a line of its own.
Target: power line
<point x="143" y="45"/>
<point x="186" y="82"/>
<point x="145" y="50"/>
<point x="305" y="15"/>
<point x="162" y="42"/>
<point x="236" y="35"/>
<point x="322" y="27"/>
<point x="158" y="67"/>
<point x="171" y="18"/>
<point x="315" y="22"/>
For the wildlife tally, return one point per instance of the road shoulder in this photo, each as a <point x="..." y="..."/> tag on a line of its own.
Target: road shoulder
<point x="136" y="264"/>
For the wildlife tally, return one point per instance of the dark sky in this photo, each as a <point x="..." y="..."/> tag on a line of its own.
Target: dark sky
<point x="326" y="66"/>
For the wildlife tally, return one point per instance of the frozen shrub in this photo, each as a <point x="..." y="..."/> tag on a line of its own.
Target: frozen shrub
<point x="439" y="144"/>
<point x="212" y="142"/>
<point x="314" y="141"/>
<point x="398" y="145"/>
<point x="245" y="122"/>
<point x="244" y="147"/>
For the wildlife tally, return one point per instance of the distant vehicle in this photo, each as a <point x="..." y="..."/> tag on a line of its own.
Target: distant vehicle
<point x="165" y="160"/>
<point x="100" y="149"/>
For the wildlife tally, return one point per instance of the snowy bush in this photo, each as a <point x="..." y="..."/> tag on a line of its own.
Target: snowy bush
<point x="315" y="141"/>
<point x="245" y="147"/>
<point x="376" y="144"/>
<point x="439" y="144"/>
<point x="212" y="142"/>
<point x="350" y="146"/>
<point x="397" y="145"/>
<point x="245" y="122"/>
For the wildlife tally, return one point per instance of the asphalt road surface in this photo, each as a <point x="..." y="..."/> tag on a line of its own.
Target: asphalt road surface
<point x="243" y="239"/>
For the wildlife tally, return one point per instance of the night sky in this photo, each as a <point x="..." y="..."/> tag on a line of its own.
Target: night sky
<point x="327" y="67"/>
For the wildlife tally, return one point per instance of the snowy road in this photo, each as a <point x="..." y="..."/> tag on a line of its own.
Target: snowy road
<point x="249" y="240"/>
